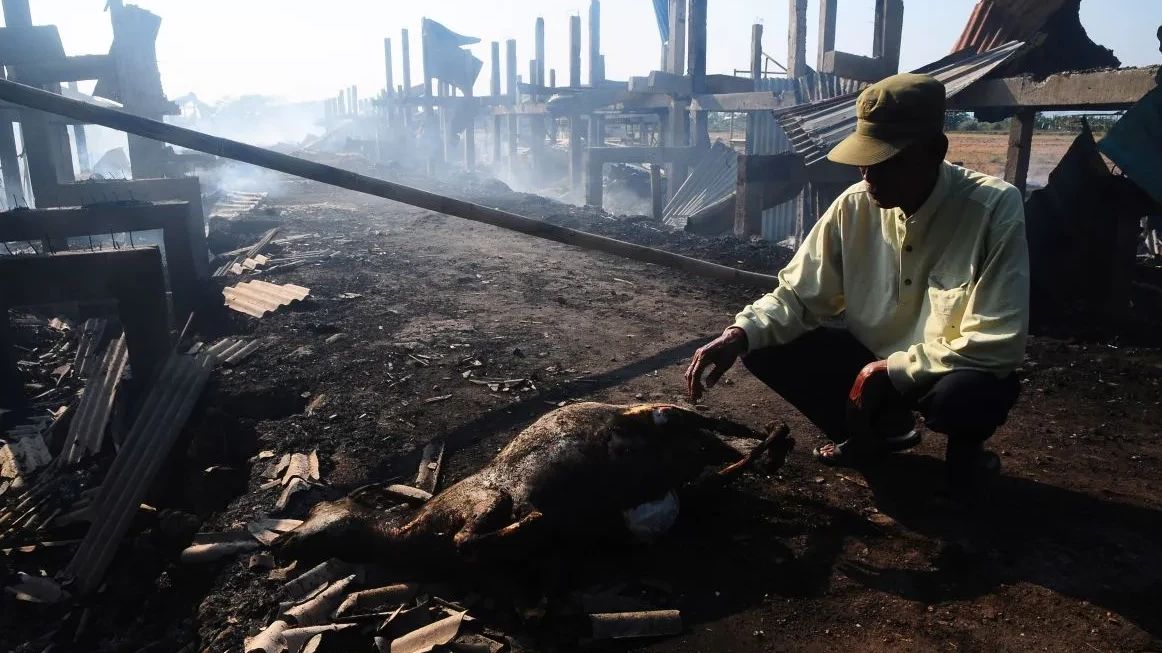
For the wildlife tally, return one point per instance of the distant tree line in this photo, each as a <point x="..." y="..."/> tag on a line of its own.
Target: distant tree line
<point x="964" y="121"/>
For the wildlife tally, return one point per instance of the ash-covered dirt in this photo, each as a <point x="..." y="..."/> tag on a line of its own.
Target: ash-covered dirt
<point x="1062" y="558"/>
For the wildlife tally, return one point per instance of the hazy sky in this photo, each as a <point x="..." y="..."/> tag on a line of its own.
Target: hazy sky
<point x="305" y="49"/>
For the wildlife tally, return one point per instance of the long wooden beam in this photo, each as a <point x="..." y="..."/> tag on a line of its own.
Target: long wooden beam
<point x="264" y="158"/>
<point x="1107" y="89"/>
<point x="66" y="69"/>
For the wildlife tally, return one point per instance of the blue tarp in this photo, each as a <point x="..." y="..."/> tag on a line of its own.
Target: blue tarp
<point x="662" y="11"/>
<point x="1135" y="143"/>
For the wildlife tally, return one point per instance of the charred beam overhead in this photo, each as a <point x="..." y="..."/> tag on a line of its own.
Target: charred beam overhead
<point x="1107" y="89"/>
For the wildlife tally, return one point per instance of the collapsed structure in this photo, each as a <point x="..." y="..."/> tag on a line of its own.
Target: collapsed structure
<point x="1013" y="60"/>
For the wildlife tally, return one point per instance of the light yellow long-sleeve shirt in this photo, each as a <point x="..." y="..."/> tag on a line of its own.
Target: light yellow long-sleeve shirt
<point x="944" y="289"/>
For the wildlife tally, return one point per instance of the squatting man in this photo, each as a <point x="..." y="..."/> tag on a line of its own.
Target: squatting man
<point x="925" y="265"/>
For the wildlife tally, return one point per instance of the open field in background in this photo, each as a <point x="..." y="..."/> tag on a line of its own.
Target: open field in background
<point x="983" y="151"/>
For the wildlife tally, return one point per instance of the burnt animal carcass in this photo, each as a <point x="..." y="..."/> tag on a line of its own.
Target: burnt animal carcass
<point x="576" y="475"/>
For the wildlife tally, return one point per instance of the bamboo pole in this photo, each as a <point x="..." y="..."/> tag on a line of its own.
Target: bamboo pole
<point x="91" y="114"/>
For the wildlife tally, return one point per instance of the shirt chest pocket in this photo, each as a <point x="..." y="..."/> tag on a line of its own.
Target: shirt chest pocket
<point x="947" y="302"/>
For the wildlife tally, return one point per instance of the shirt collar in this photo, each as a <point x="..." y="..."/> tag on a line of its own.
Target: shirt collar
<point x="936" y="198"/>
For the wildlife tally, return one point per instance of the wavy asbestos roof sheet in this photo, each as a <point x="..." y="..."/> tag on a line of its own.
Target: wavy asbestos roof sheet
<point x="815" y="128"/>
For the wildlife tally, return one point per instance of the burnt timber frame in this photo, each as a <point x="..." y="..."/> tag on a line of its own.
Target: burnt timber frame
<point x="131" y="277"/>
<point x="170" y="217"/>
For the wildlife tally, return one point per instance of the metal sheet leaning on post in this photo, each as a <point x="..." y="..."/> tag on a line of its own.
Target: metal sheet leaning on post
<point x="114" y="119"/>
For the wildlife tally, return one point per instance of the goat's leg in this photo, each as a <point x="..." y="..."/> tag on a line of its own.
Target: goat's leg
<point x="778" y="440"/>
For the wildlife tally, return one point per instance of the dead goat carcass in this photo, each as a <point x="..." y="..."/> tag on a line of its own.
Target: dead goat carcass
<point x="578" y="474"/>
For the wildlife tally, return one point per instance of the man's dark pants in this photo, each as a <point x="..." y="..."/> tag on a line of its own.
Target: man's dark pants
<point x="814" y="373"/>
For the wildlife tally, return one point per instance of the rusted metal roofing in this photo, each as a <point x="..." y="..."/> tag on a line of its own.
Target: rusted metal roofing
<point x="154" y="431"/>
<point x="815" y="128"/>
<point x="1053" y="25"/>
<point x="257" y="298"/>
<point x="996" y="22"/>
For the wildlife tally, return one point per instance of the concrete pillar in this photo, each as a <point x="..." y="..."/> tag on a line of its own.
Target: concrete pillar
<point x="676" y="53"/>
<point x="538" y="73"/>
<point x="596" y="74"/>
<point x="574" y="51"/>
<point x="494" y="91"/>
<point x="511" y="120"/>
<point x="756" y="52"/>
<point x="797" y="39"/>
<point x="657" y="192"/>
<point x="390" y="80"/>
<point x="827" y="11"/>
<point x="697" y="67"/>
<point x="406" y="56"/>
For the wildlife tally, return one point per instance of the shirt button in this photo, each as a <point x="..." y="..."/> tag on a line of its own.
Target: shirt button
<point x="907" y="248"/>
<point x="907" y="282"/>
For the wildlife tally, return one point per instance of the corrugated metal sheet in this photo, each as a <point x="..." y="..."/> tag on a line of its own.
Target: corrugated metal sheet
<point x="815" y="128"/>
<point x="766" y="136"/>
<point x="86" y="357"/>
<point x="235" y="203"/>
<point x="87" y="430"/>
<point x="257" y="298"/>
<point x="164" y="412"/>
<point x="713" y="178"/>
<point x="995" y="22"/>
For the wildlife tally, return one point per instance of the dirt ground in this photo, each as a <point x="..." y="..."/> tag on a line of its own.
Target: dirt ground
<point x="986" y="151"/>
<point x="1063" y="556"/>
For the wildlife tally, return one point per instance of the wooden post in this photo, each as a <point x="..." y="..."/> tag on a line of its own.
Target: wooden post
<point x="10" y="168"/>
<point x="495" y="92"/>
<point x="827" y="11"/>
<point x="893" y="34"/>
<point x="797" y="39"/>
<point x="552" y="78"/>
<point x="676" y="59"/>
<point x="407" y="78"/>
<point x="657" y="193"/>
<point x="1020" y="146"/>
<point x="878" y="30"/>
<point x="45" y="153"/>
<point x="17" y="13"/>
<point x="748" y="203"/>
<point x="697" y="67"/>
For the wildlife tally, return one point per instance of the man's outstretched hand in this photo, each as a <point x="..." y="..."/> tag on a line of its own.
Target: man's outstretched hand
<point x="718" y="355"/>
